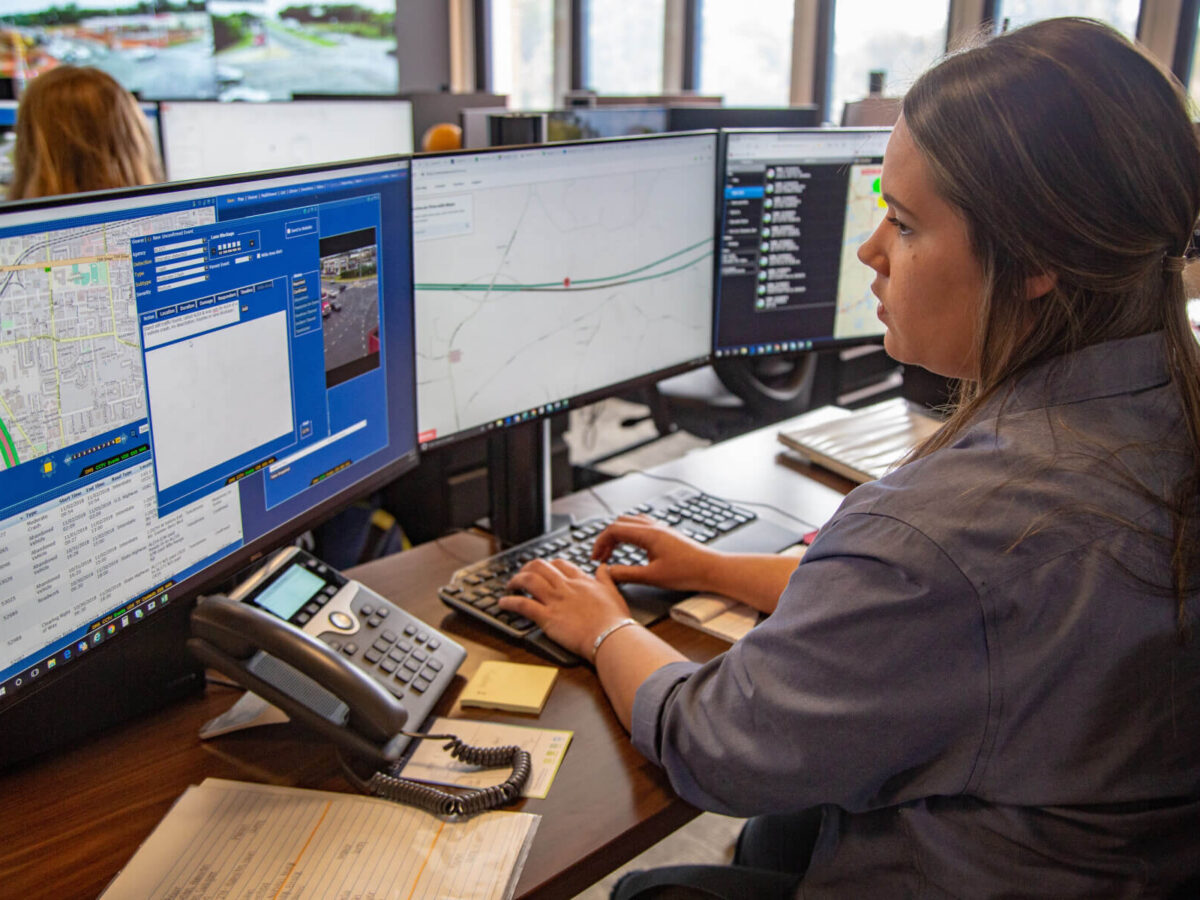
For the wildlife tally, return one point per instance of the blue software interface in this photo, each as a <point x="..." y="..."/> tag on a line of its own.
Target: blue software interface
<point x="182" y="371"/>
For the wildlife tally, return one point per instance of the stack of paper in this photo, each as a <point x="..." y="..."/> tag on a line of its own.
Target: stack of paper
<point x="233" y="839"/>
<point x="861" y="444"/>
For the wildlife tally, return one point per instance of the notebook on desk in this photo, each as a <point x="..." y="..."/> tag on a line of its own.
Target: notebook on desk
<point x="862" y="444"/>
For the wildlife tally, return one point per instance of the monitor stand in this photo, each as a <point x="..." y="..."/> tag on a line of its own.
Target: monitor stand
<point x="519" y="482"/>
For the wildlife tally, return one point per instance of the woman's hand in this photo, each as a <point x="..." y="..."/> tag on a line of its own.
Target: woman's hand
<point x="675" y="561"/>
<point x="571" y="606"/>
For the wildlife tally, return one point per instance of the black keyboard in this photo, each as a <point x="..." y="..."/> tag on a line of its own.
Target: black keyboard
<point x="707" y="519"/>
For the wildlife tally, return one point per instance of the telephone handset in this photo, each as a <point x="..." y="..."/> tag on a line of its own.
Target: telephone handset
<point x="343" y="660"/>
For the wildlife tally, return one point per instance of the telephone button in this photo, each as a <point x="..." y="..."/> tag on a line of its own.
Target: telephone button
<point x="341" y="620"/>
<point x="302" y="618"/>
<point x="372" y="656"/>
<point x="388" y="665"/>
<point x="367" y="609"/>
<point x="312" y="609"/>
<point x="396" y="689"/>
<point x="382" y="612"/>
<point x="374" y="622"/>
<point x="404" y="675"/>
<point x="420" y="685"/>
<point x="350" y="649"/>
<point x="390" y="636"/>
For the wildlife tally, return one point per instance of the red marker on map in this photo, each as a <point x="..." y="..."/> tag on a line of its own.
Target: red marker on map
<point x="566" y="282"/>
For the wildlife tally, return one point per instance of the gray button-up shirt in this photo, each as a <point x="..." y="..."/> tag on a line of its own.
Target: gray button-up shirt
<point x="976" y="669"/>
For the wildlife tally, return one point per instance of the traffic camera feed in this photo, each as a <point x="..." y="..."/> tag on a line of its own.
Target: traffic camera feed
<point x="222" y="49"/>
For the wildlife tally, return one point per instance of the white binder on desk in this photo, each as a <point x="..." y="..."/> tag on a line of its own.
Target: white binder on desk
<point x="862" y="444"/>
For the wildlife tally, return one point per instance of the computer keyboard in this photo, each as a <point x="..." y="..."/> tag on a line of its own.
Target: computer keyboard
<point x="710" y="520"/>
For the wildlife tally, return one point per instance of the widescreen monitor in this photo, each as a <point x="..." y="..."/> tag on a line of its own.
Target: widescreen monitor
<point x="547" y="276"/>
<point x="224" y="50"/>
<point x="579" y="122"/>
<point x="689" y="118"/>
<point x="796" y="207"/>
<point x="202" y="139"/>
<point x="189" y="376"/>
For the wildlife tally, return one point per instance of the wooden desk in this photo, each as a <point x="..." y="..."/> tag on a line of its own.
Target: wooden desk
<point x="70" y="822"/>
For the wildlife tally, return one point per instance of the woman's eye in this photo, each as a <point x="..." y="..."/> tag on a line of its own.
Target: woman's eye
<point x="899" y="226"/>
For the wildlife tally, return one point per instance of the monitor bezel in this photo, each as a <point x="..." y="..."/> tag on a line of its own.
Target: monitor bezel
<point x="37" y="708"/>
<point x="165" y="104"/>
<point x="575" y="401"/>
<point x="787" y="347"/>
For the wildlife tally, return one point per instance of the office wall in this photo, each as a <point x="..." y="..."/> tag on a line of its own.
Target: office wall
<point x="423" y="44"/>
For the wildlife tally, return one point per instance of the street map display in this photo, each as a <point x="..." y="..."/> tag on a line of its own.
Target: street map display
<point x="565" y="272"/>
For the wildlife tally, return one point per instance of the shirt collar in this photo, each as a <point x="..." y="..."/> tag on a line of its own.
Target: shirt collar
<point x="1107" y="369"/>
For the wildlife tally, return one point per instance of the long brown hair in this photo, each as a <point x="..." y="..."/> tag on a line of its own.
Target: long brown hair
<point x="1071" y="153"/>
<point x="78" y="130"/>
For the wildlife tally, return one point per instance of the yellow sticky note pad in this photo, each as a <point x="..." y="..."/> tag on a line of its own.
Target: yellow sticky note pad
<point x="516" y="687"/>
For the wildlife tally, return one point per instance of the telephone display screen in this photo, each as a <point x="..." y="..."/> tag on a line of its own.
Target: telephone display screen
<point x="290" y="591"/>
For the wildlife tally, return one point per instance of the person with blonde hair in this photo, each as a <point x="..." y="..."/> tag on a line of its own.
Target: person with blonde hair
<point x="79" y="130"/>
<point x="983" y="677"/>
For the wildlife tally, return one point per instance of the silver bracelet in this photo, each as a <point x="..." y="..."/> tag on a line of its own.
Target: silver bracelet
<point x="604" y="635"/>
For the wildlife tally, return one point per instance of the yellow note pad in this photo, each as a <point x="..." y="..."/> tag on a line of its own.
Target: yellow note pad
<point x="517" y="687"/>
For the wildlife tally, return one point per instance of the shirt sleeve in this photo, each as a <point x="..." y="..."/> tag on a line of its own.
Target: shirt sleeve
<point x="868" y="686"/>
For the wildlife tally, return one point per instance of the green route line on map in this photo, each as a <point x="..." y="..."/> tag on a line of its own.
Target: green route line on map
<point x="8" y="450"/>
<point x="600" y="283"/>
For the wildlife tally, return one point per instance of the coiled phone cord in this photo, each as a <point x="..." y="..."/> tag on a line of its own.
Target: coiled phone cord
<point x="404" y="790"/>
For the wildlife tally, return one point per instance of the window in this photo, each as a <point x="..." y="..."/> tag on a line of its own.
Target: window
<point x="624" y="47"/>
<point x="899" y="39"/>
<point x="746" y="51"/>
<point x="523" y="52"/>
<point x="1121" y="14"/>
<point x="1193" y="88"/>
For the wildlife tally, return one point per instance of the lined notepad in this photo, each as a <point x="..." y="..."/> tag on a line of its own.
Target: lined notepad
<point x="235" y="839"/>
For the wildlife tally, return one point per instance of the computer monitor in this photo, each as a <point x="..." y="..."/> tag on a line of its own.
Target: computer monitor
<point x="190" y="375"/>
<point x="796" y="207"/>
<point x="203" y="139"/>
<point x="689" y="118"/>
<point x="579" y="122"/>
<point x="8" y="136"/>
<point x="548" y="276"/>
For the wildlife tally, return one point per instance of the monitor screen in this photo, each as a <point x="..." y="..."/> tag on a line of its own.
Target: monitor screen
<point x="797" y="205"/>
<point x="202" y="139"/>
<point x="8" y="136"/>
<point x="193" y="50"/>
<point x="189" y="375"/>
<point x="554" y="274"/>
<point x="689" y="118"/>
<point x="579" y="122"/>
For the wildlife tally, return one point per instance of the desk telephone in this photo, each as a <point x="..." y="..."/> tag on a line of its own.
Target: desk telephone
<point x="339" y="658"/>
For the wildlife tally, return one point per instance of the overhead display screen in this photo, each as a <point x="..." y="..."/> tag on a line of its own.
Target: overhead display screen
<point x="222" y="49"/>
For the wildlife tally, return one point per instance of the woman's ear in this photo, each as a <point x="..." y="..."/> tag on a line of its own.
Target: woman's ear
<point x="1040" y="285"/>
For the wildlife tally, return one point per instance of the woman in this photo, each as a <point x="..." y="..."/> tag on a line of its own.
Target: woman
<point x="981" y="679"/>
<point x="78" y="130"/>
